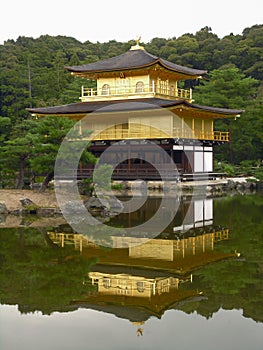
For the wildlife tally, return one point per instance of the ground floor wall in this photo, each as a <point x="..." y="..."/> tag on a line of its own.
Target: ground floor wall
<point x="153" y="160"/>
<point x="195" y="158"/>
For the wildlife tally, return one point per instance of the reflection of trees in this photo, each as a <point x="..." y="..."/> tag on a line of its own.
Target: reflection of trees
<point x="38" y="276"/>
<point x="236" y="284"/>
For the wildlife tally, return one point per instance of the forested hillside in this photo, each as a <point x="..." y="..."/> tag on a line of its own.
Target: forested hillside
<point x="32" y="75"/>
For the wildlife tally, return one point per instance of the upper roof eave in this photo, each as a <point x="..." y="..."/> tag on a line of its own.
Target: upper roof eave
<point x="132" y="59"/>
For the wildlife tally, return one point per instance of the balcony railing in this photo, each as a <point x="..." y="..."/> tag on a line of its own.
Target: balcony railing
<point x="123" y="92"/>
<point x="201" y="135"/>
<point x="157" y="134"/>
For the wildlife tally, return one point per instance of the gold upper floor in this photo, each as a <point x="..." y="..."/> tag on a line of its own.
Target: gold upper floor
<point x="138" y="87"/>
<point x="134" y="74"/>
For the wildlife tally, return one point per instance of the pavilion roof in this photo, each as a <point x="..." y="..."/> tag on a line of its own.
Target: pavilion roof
<point x="133" y="59"/>
<point x="127" y="105"/>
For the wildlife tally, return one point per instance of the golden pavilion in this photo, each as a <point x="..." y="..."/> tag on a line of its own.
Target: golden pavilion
<point x="138" y="101"/>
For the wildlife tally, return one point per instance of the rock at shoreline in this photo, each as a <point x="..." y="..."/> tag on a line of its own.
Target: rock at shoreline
<point x="3" y="208"/>
<point x="26" y="202"/>
<point x="93" y="203"/>
<point x="109" y="205"/>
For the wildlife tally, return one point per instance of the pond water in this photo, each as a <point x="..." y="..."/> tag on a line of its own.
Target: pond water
<point x="198" y="284"/>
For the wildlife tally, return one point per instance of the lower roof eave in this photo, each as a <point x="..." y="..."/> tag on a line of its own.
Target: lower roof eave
<point x="80" y="109"/>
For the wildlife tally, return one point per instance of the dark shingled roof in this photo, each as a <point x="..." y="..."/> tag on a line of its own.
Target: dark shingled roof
<point x="132" y="59"/>
<point x="217" y="109"/>
<point x="125" y="105"/>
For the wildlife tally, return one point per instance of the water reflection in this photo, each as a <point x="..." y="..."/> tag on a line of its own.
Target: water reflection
<point x="146" y="277"/>
<point x="209" y="257"/>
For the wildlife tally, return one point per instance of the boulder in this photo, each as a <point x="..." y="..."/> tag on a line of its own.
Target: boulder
<point x="94" y="203"/>
<point x="3" y="208"/>
<point x="26" y="202"/>
<point x="106" y="204"/>
<point x="115" y="204"/>
<point x="2" y="218"/>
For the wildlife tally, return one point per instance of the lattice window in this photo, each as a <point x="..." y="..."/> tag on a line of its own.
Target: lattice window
<point x="105" y="89"/>
<point x="139" y="87"/>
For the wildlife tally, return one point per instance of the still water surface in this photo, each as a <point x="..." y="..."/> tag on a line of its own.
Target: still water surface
<point x="196" y="285"/>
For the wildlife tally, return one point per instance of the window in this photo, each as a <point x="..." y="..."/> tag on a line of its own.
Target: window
<point x="106" y="282"/>
<point x="140" y="287"/>
<point x="163" y="87"/>
<point x="105" y="89"/>
<point x="139" y="87"/>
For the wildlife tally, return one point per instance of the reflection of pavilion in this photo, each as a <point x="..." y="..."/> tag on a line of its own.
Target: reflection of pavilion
<point x="180" y="255"/>
<point x="134" y="285"/>
<point x="196" y="213"/>
<point x="147" y="279"/>
<point x="149" y="276"/>
<point x="135" y="293"/>
<point x="188" y="243"/>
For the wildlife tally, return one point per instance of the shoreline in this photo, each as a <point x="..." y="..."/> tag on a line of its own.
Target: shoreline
<point x="11" y="198"/>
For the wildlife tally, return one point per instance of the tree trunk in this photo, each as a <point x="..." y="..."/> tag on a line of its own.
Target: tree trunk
<point x="46" y="181"/>
<point x="19" y="183"/>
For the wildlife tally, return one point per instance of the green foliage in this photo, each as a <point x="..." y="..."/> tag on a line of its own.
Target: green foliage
<point x="223" y="167"/>
<point x="5" y="127"/>
<point x="15" y="154"/>
<point x="226" y="88"/>
<point x="50" y="133"/>
<point x="118" y="186"/>
<point x="102" y="176"/>
<point x="86" y="186"/>
<point x="32" y="149"/>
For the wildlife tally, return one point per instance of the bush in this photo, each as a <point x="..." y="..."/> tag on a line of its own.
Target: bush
<point x="225" y="168"/>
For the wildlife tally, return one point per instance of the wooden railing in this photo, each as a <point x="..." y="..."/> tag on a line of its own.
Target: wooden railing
<point x="129" y="135"/>
<point x="151" y="90"/>
<point x="144" y="173"/>
<point x="152" y="133"/>
<point x="201" y="135"/>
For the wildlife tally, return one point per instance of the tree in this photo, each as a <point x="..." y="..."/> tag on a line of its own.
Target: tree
<point x="49" y="132"/>
<point x="229" y="88"/>
<point x="5" y="127"/>
<point x="15" y="154"/>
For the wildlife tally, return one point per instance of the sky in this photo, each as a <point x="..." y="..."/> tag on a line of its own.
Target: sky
<point x="104" y="20"/>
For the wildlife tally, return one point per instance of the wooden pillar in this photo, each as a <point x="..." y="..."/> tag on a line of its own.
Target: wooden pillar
<point x="193" y="127"/>
<point x="203" y="128"/>
<point x="129" y="158"/>
<point x="172" y="155"/>
<point x="80" y="128"/>
<point x="80" y="243"/>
